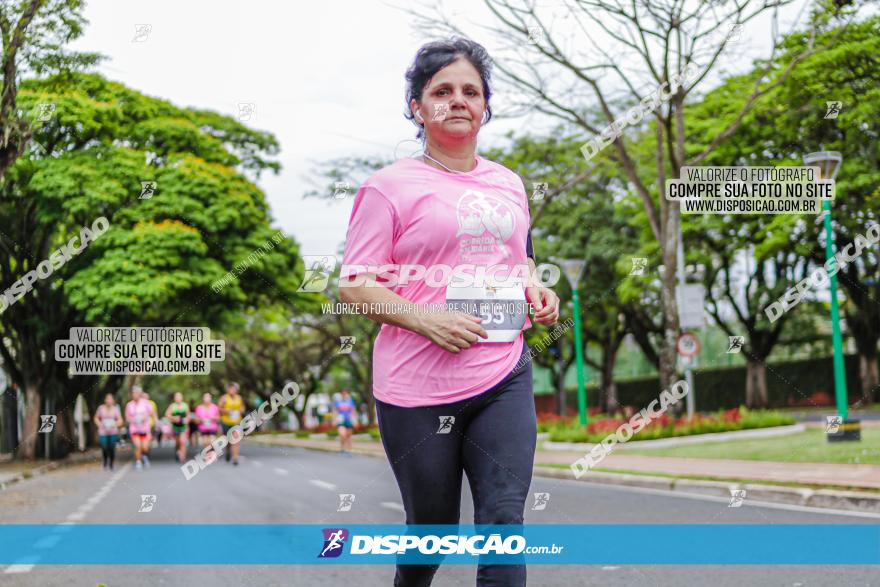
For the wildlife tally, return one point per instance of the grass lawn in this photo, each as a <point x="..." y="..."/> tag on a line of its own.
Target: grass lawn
<point x="829" y="410"/>
<point x="809" y="446"/>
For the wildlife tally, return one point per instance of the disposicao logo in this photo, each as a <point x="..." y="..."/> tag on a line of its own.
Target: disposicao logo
<point x="334" y="540"/>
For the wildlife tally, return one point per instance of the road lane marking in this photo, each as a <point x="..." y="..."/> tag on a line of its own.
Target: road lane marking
<point x="48" y="541"/>
<point x="322" y="484"/>
<point x="18" y="568"/>
<point x="280" y="471"/>
<point x="393" y="506"/>
<point x="99" y="495"/>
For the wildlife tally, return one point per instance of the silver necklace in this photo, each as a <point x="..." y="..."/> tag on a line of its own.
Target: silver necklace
<point x="426" y="156"/>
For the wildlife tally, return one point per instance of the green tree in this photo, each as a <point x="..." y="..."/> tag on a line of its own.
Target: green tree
<point x="162" y="259"/>
<point x="33" y="35"/>
<point x="784" y="248"/>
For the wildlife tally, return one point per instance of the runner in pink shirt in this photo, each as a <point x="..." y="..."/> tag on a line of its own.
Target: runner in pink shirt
<point x="138" y="412"/>
<point x="208" y="419"/>
<point x="453" y="388"/>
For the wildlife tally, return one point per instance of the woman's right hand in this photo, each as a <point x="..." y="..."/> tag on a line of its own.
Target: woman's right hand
<point x="452" y="331"/>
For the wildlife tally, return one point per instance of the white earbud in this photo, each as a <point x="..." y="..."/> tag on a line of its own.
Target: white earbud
<point x="419" y="117"/>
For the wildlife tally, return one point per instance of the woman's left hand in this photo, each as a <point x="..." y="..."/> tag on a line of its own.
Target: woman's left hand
<point x="546" y="304"/>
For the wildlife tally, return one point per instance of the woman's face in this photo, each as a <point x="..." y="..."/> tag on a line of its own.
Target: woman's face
<point x="453" y="103"/>
<point x="206" y="398"/>
<point x="178" y="397"/>
<point x="108" y="399"/>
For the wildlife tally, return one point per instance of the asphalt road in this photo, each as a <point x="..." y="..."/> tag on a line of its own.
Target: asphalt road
<point x="294" y="486"/>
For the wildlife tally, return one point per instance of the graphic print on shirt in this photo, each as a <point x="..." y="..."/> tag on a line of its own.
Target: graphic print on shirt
<point x="479" y="213"/>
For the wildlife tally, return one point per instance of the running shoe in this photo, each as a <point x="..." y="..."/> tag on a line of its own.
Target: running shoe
<point x="146" y="461"/>
<point x="138" y="466"/>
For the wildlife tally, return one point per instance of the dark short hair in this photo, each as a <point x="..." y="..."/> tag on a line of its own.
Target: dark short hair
<point x="434" y="56"/>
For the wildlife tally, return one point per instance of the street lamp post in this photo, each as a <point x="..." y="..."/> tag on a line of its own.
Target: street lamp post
<point x="828" y="163"/>
<point x="574" y="269"/>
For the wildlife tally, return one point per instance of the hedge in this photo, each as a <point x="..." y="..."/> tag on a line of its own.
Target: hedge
<point x="788" y="383"/>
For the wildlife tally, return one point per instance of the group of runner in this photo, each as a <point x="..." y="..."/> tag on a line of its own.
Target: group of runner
<point x="188" y="427"/>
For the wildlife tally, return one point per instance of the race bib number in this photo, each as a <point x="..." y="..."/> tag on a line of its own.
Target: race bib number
<point x="207" y="423"/>
<point x="108" y="422"/>
<point x="234" y="414"/>
<point x="503" y="310"/>
<point x="139" y="419"/>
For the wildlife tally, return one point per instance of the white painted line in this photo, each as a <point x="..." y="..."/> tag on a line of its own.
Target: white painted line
<point x="18" y="569"/>
<point x="257" y="463"/>
<point x="280" y="471"/>
<point x="48" y="541"/>
<point x="322" y="484"/>
<point x="393" y="506"/>
<point x="90" y="504"/>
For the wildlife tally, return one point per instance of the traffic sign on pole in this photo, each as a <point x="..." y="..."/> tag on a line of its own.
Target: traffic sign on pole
<point x="688" y="345"/>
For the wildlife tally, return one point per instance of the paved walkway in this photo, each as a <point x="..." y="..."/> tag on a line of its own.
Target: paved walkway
<point x="835" y="475"/>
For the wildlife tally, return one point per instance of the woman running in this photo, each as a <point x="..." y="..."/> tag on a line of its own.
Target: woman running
<point x="232" y="409"/>
<point x="178" y="414"/>
<point x="208" y="419"/>
<point x="108" y="420"/>
<point x="138" y="412"/>
<point x="194" y="440"/>
<point x="344" y="412"/>
<point x="453" y="391"/>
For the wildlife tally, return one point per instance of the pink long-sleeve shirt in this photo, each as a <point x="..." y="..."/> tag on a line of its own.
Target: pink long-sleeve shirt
<point x="410" y="213"/>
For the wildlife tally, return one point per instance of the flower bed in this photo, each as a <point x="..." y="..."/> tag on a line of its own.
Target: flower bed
<point x="565" y="429"/>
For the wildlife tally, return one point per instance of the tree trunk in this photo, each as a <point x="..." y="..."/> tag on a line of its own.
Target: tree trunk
<point x="869" y="375"/>
<point x="756" y="384"/>
<point x="670" y="307"/>
<point x="609" y="387"/>
<point x="63" y="437"/>
<point x="368" y="398"/>
<point x="33" y="408"/>
<point x="301" y="418"/>
<point x="559" y="386"/>
<point x="9" y="426"/>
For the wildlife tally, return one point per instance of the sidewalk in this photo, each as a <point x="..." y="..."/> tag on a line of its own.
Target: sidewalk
<point x="835" y="475"/>
<point x="16" y="471"/>
<point x="835" y="486"/>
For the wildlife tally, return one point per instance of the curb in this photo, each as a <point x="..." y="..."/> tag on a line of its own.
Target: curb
<point x="72" y="459"/>
<point x="686" y="440"/>
<point x="367" y="452"/>
<point x="817" y="498"/>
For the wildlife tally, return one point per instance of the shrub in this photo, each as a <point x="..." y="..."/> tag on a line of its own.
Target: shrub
<point x="666" y="427"/>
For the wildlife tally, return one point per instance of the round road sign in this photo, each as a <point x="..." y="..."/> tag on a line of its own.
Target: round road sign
<point x="688" y="345"/>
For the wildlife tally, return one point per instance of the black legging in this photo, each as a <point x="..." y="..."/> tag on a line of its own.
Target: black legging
<point x="108" y="448"/>
<point x="492" y="440"/>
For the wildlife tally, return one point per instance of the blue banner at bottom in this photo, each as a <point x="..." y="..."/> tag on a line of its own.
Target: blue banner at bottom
<point x="558" y="544"/>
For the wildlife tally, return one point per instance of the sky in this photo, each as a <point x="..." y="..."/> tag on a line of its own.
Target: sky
<point x="326" y="78"/>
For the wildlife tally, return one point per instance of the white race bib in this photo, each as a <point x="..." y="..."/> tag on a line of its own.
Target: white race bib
<point x="233" y="414"/>
<point x="108" y="423"/>
<point x="501" y="307"/>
